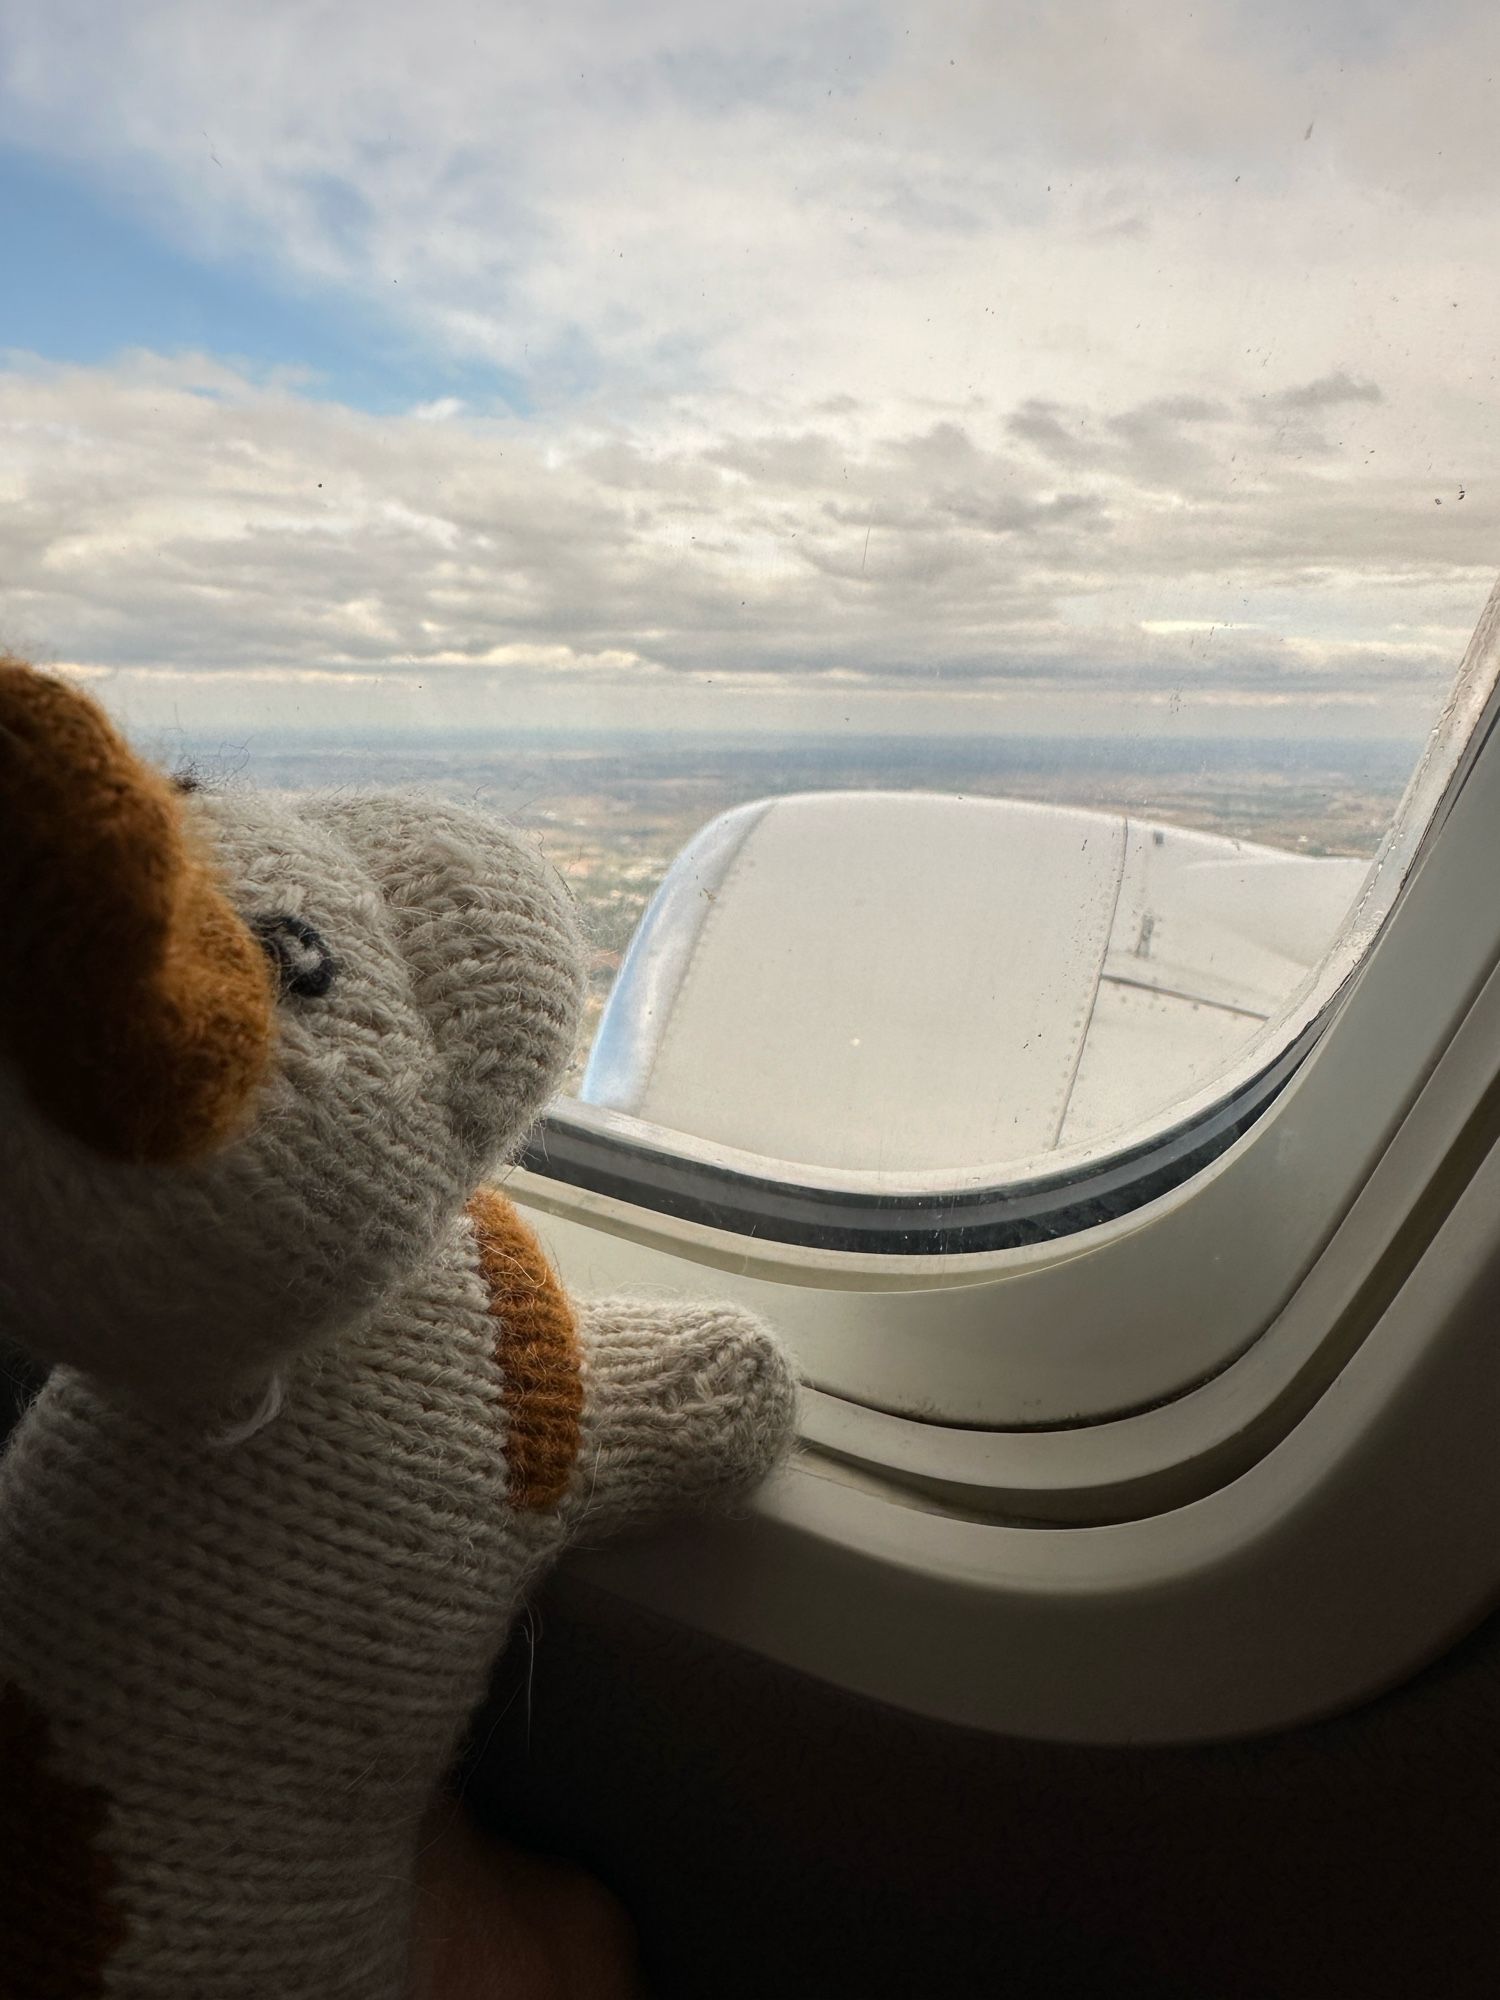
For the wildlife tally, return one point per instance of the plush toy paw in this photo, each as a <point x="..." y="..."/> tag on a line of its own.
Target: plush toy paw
<point x="689" y="1407"/>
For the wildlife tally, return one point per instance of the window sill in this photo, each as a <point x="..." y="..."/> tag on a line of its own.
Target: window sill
<point x="1354" y="1551"/>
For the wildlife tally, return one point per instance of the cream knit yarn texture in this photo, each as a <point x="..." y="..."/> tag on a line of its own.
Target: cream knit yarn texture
<point x="258" y="1550"/>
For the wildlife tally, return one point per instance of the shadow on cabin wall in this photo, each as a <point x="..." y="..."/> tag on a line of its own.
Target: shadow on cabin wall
<point x="774" y="1837"/>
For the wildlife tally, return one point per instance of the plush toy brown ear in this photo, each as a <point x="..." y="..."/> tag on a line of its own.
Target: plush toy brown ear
<point x="134" y="1002"/>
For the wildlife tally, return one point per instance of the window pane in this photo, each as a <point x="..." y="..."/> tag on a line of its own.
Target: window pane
<point x="623" y="416"/>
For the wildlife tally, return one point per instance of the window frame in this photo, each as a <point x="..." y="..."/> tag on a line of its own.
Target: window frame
<point x="1279" y="1501"/>
<point x="1306" y="1529"/>
<point x="1140" y="1308"/>
<point x="1343" y="1561"/>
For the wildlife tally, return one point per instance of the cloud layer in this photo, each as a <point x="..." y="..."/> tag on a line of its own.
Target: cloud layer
<point x="1112" y="359"/>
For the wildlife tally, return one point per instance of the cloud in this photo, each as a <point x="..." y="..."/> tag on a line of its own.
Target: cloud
<point x="1036" y="349"/>
<point x="1327" y="392"/>
<point x="179" y="521"/>
<point x="1109" y="198"/>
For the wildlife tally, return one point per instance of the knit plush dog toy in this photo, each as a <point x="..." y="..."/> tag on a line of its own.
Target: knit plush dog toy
<point x="318" y="1410"/>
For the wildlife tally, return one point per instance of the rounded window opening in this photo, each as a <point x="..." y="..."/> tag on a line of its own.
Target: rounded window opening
<point x="978" y="521"/>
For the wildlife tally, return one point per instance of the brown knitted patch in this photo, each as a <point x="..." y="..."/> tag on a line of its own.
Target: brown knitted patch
<point x="536" y="1345"/>
<point x="135" y="1002"/>
<point x="60" y="1919"/>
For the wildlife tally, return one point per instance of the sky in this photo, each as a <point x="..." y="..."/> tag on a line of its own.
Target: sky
<point x="1121" y="366"/>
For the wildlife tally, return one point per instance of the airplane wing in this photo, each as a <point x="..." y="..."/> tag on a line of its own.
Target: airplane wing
<point x="907" y="981"/>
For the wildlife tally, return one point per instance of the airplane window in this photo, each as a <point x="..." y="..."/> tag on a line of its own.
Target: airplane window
<point x="958" y="528"/>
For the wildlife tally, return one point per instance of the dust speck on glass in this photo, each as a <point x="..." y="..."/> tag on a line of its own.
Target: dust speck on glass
<point x="954" y="530"/>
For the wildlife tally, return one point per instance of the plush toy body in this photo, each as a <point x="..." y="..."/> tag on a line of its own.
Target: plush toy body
<point x="320" y="1410"/>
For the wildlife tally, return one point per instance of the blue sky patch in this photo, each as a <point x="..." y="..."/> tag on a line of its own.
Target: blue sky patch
<point x="86" y="281"/>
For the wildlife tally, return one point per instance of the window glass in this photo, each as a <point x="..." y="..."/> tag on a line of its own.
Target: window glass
<point x="624" y="416"/>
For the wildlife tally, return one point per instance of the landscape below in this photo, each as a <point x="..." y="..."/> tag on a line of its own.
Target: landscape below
<point x="612" y="811"/>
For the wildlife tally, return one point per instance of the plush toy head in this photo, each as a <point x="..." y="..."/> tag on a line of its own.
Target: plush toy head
<point x="319" y="1409"/>
<point x="260" y="1051"/>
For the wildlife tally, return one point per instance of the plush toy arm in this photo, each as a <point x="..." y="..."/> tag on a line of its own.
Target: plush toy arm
<point x="686" y="1406"/>
<point x="623" y="1410"/>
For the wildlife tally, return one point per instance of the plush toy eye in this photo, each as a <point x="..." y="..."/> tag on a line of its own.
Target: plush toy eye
<point x="304" y="964"/>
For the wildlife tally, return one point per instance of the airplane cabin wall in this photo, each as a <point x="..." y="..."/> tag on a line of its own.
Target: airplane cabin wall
<point x="773" y="1836"/>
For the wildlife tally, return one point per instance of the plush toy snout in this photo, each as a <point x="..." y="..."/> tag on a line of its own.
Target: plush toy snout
<point x="136" y="1004"/>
